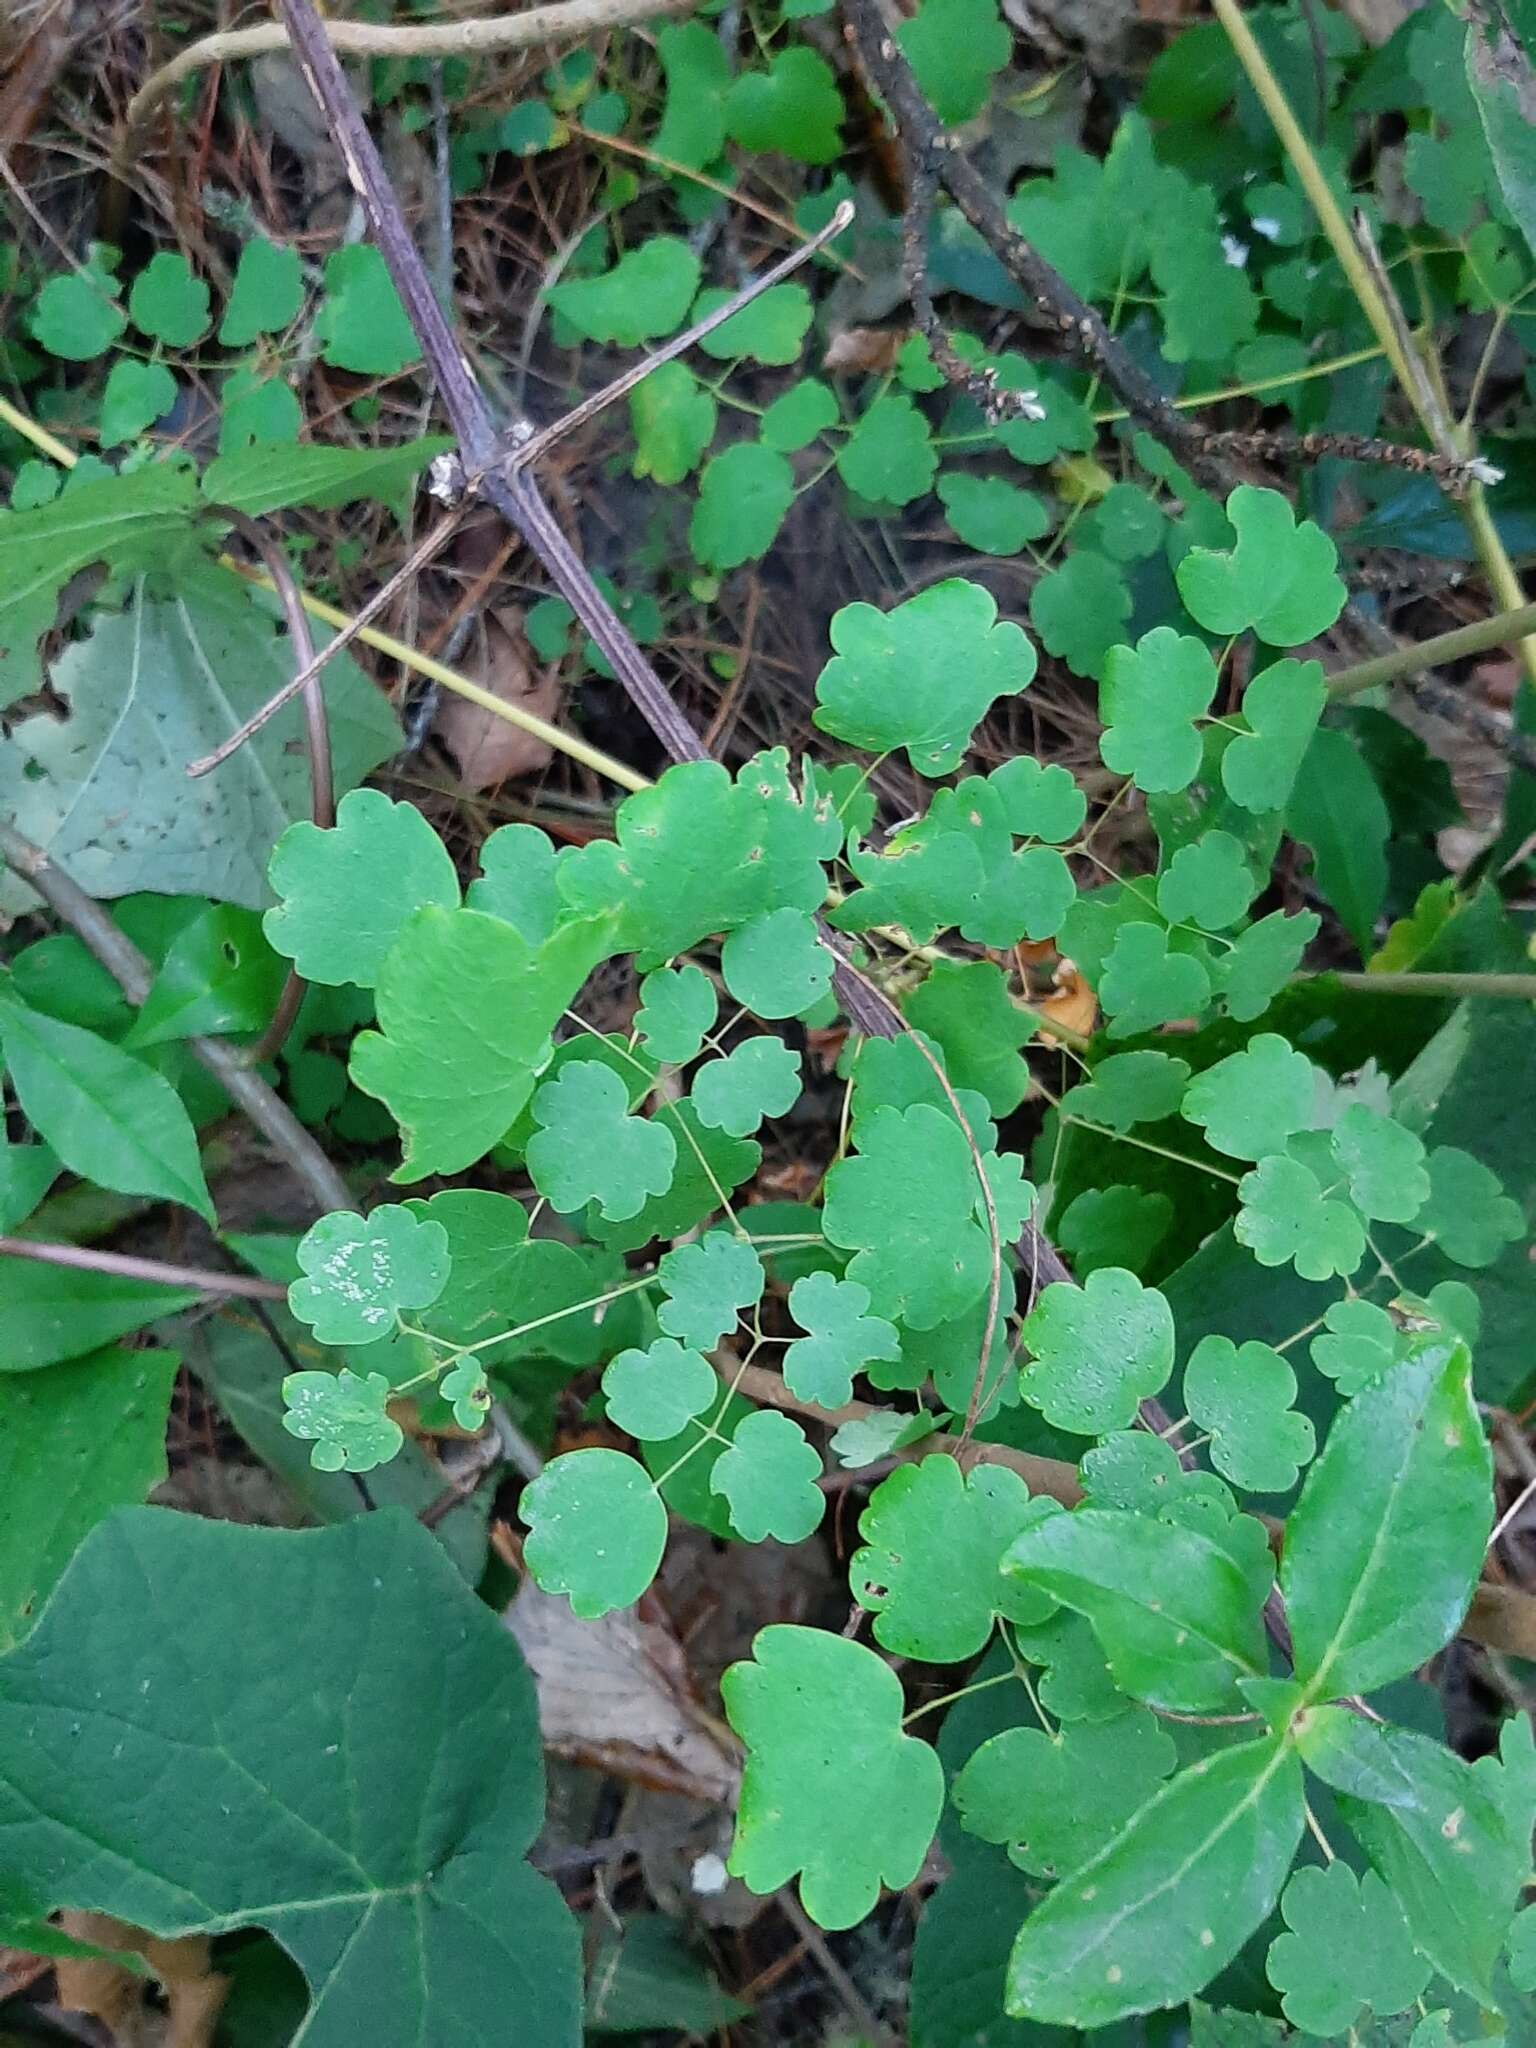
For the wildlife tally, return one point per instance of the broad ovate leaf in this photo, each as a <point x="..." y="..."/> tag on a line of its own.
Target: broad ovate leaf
<point x="1150" y="1919"/>
<point x="833" y="1791"/>
<point x="1385" y="1545"/>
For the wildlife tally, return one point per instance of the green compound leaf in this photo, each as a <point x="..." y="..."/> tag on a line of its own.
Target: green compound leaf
<point x="360" y="1271"/>
<point x="345" y="893"/>
<point x="1129" y="1088"/>
<point x="596" y="1530"/>
<point x="699" y="853"/>
<point x="654" y="1394"/>
<point x="794" y="107"/>
<point x="1039" y="801"/>
<point x="1206" y="884"/>
<point x="775" y="965"/>
<point x="768" y="1479"/>
<point x="646" y="294"/>
<point x="1435" y="1829"/>
<point x="989" y="514"/>
<point x="1179" y="1615"/>
<point x="1099" y="1350"/>
<point x="706" y="1286"/>
<point x="1383" y="1162"/>
<point x="344" y="1417"/>
<point x="454" y="1073"/>
<point x="1348" y="1947"/>
<point x="1279" y="579"/>
<point x="1250" y="1103"/>
<point x="770" y="330"/>
<point x="1053" y="1800"/>
<point x="1133" y="1929"/>
<point x="833" y="1790"/>
<point x="756" y="1080"/>
<point x="934" y="1543"/>
<point x="956" y="47"/>
<point x="361" y="324"/>
<point x="1144" y="984"/>
<point x="354" y="1815"/>
<point x="1149" y="699"/>
<point x="267" y="293"/>
<point x="1251" y="973"/>
<point x="843" y="1338"/>
<point x="517" y="881"/>
<point x="903" y="1204"/>
<point x="588" y="1147"/>
<point x="1243" y="1396"/>
<point x="922" y="675"/>
<point x="1081" y="611"/>
<point x="1362" y="1341"/>
<point x="889" y="457"/>
<point x="77" y="317"/>
<point x="1281" y="708"/>
<point x="136" y="395"/>
<point x="1283" y="1218"/>
<point x="168" y="303"/>
<point x="798" y="415"/>
<point x="677" y="1006"/>
<point x="744" y="494"/>
<point x="1468" y="1213"/>
<point x="106" y="1115"/>
<point x="673" y="418"/>
<point x="1385" y="1545"/>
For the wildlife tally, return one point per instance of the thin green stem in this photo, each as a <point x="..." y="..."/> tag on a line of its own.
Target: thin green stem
<point x="1513" y="987"/>
<point x="1504" y="629"/>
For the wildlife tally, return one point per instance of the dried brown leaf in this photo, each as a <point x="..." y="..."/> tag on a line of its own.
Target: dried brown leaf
<point x="194" y="1995"/>
<point x="491" y="750"/>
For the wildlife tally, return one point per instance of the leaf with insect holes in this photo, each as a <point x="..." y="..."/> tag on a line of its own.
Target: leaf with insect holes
<point x="1129" y="1088"/>
<point x="655" y="1393"/>
<point x="673" y="418"/>
<point x="106" y="1115"/>
<point x="1081" y="611"/>
<point x="1385" y="1545"/>
<point x="1150" y="697"/>
<point x="706" y="1286"/>
<point x="758" y="1079"/>
<point x="889" y="457"/>
<point x="930" y="1569"/>
<point x="794" y="107"/>
<point x="1250" y="1103"/>
<point x="775" y="965"/>
<point x="768" y="1479"/>
<point x="677" y="1006"/>
<point x="1347" y="1948"/>
<point x="646" y="294"/>
<point x="267" y="293"/>
<point x="453" y="1073"/>
<point x="1279" y="578"/>
<point x="833" y="1790"/>
<point x="1251" y="973"/>
<point x="991" y="515"/>
<point x="1242" y="1396"/>
<point x="842" y="1339"/>
<point x="699" y="853"/>
<point x="1098" y="1351"/>
<point x="744" y="493"/>
<point x="1283" y="1218"/>
<point x="1135" y="1930"/>
<point x="902" y="1203"/>
<point x="361" y="324"/>
<point x="1145" y="984"/>
<point x="516" y="881"/>
<point x="344" y="892"/>
<point x="467" y="1391"/>
<point x="956" y="47"/>
<point x="1053" y="1800"/>
<point x="588" y="1148"/>
<point x="1281" y="708"/>
<point x="1207" y="883"/>
<point x="1383" y="1162"/>
<point x="922" y="675"/>
<point x="219" y="976"/>
<point x="359" y="1271"/>
<point x="596" y="1530"/>
<point x="1039" y="801"/>
<point x="343" y="1417"/>
<point x="168" y="303"/>
<point x="1466" y="1212"/>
